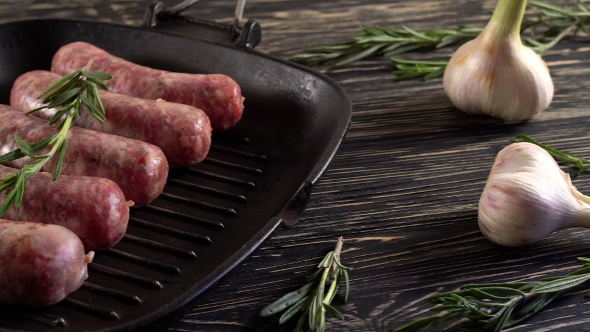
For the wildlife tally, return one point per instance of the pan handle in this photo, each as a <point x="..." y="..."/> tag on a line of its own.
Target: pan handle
<point x="246" y="35"/>
<point x="291" y="214"/>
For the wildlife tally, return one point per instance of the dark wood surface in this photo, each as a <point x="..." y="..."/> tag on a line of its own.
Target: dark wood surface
<point x="404" y="186"/>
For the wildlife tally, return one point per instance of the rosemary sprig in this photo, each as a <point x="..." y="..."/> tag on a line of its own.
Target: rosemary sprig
<point x="311" y="299"/>
<point x="69" y="94"/>
<point x="559" y="156"/>
<point x="549" y="25"/>
<point x="387" y="42"/>
<point x="494" y="306"/>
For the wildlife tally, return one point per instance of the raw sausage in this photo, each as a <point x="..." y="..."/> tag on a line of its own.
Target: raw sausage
<point x="182" y="132"/>
<point x="40" y="264"/>
<point x="218" y="95"/>
<point x="93" y="208"/>
<point x="139" y="168"/>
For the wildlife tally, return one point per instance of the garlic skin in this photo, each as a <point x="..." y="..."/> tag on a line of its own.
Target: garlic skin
<point x="495" y="74"/>
<point x="527" y="197"/>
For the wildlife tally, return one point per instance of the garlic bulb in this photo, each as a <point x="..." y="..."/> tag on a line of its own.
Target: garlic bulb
<point x="527" y="197"/>
<point x="495" y="74"/>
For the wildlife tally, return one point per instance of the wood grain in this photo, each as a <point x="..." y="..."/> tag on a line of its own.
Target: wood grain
<point x="404" y="186"/>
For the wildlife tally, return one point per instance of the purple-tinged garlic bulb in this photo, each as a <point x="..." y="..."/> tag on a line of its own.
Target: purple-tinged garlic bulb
<point x="495" y="74"/>
<point x="527" y="197"/>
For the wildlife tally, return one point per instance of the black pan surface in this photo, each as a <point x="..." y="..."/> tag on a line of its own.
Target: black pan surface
<point x="212" y="216"/>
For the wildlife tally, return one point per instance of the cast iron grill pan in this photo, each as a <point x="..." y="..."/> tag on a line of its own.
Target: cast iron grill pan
<point x="210" y="217"/>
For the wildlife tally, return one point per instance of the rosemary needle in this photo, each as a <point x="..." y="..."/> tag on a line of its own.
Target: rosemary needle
<point x="494" y="306"/>
<point x="549" y="25"/>
<point x="312" y="300"/>
<point x="559" y="156"/>
<point x="69" y="94"/>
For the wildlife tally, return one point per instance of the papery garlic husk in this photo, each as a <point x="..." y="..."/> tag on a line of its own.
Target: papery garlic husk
<point x="527" y="197"/>
<point x="495" y="74"/>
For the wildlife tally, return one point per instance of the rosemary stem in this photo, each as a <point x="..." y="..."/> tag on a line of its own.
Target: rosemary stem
<point x="337" y="251"/>
<point x="331" y="291"/>
<point x="323" y="281"/>
<point x="332" y="272"/>
<point x="544" y="47"/>
<point x="62" y="136"/>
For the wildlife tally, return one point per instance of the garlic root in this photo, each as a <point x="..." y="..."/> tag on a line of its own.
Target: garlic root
<point x="527" y="197"/>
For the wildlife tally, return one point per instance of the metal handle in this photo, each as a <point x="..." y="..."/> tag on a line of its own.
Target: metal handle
<point x="178" y="9"/>
<point x="239" y="14"/>
<point x="175" y="11"/>
<point x="291" y="214"/>
<point x="245" y="35"/>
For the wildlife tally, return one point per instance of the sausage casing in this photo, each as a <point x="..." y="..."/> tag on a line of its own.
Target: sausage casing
<point x="93" y="208"/>
<point x="40" y="264"/>
<point x="219" y="96"/>
<point x="140" y="169"/>
<point x="182" y="132"/>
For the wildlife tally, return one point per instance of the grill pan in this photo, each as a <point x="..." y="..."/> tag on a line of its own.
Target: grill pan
<point x="211" y="216"/>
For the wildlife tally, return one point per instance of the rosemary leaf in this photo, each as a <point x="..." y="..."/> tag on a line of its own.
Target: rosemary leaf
<point x="98" y="84"/>
<point x="517" y="285"/>
<point x="333" y="311"/>
<point x="561" y="284"/>
<point x="96" y="113"/>
<point x="584" y="270"/>
<point x="497" y="293"/>
<point x="96" y="76"/>
<point x="361" y="55"/>
<point x="7" y="182"/>
<point x="58" y="115"/>
<point x="60" y="160"/>
<point x="34" y="148"/>
<point x="60" y="86"/>
<point x="64" y="98"/>
<point x="287" y="300"/>
<point x="313" y="276"/>
<point x="19" y="187"/>
<point x="59" y="91"/>
<point x="346" y="284"/>
<point x="312" y="313"/>
<point x="529" y="309"/>
<point x="293" y="310"/>
<point x="24" y="147"/>
<point x="8" y="199"/>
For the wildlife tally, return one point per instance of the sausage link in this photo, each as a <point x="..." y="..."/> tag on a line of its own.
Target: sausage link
<point x="182" y="132"/>
<point x="218" y="95"/>
<point x="93" y="208"/>
<point x="139" y="168"/>
<point x="40" y="264"/>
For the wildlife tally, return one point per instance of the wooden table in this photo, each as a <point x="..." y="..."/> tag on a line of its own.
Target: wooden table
<point x="404" y="186"/>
